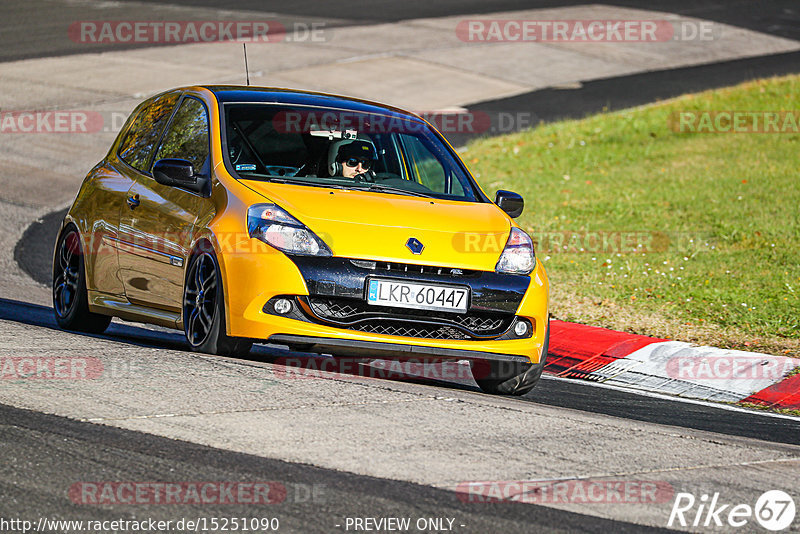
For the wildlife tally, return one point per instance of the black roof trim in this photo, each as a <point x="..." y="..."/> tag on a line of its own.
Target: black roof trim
<point x="240" y="93"/>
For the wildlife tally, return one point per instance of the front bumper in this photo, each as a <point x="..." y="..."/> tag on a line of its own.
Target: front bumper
<point x="251" y="280"/>
<point x="384" y="350"/>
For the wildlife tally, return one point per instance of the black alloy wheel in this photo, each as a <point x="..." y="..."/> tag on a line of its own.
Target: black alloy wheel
<point x="70" y="300"/>
<point x="204" y="311"/>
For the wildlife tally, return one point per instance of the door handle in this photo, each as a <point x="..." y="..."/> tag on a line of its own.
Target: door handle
<point x="133" y="201"/>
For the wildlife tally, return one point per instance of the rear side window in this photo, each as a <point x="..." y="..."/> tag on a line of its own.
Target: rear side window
<point x="187" y="136"/>
<point x="142" y="136"/>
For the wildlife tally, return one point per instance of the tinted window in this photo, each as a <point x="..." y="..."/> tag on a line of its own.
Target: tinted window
<point x="308" y="146"/>
<point x="187" y="136"/>
<point x="427" y="168"/>
<point x="141" y="138"/>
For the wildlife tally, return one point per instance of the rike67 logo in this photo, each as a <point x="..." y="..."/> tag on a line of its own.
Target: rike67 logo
<point x="774" y="510"/>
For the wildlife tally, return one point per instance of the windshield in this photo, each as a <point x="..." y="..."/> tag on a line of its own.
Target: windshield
<point x="329" y="147"/>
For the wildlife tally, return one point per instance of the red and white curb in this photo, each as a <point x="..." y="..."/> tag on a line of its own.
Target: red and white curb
<point x="671" y="367"/>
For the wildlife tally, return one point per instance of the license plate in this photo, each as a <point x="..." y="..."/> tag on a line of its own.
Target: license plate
<point x="417" y="296"/>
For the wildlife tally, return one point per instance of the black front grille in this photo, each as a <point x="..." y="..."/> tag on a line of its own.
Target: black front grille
<point x="338" y="309"/>
<point x="393" y="328"/>
<point x="358" y="315"/>
<point x="482" y="324"/>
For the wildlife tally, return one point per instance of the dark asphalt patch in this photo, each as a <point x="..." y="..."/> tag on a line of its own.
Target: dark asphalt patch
<point x="612" y="94"/>
<point x="45" y="455"/>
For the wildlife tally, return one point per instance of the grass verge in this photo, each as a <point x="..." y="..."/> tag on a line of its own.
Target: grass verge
<point x="642" y="228"/>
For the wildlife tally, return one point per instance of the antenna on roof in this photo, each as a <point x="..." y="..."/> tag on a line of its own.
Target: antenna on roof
<point x="246" y="71"/>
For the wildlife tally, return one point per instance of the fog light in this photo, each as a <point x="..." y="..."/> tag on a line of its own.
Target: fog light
<point x="521" y="328"/>
<point x="283" y="306"/>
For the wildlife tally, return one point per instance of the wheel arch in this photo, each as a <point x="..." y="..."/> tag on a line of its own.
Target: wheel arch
<point x="206" y="241"/>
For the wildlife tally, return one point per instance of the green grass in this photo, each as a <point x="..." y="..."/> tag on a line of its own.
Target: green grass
<point x="724" y="210"/>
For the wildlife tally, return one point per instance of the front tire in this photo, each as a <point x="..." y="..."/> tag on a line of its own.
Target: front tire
<point x="510" y="378"/>
<point x="204" y="309"/>
<point x="70" y="299"/>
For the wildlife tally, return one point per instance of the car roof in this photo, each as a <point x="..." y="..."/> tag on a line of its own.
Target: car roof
<point x="240" y="93"/>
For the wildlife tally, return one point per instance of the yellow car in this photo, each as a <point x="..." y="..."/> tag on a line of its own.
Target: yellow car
<point x="319" y="222"/>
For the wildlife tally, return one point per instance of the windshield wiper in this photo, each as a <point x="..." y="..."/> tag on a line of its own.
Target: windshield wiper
<point x="380" y="188"/>
<point x="389" y="189"/>
<point x="285" y="180"/>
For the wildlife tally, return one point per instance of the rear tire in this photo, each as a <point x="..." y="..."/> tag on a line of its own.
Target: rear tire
<point x="510" y="378"/>
<point x="204" y="309"/>
<point x="70" y="300"/>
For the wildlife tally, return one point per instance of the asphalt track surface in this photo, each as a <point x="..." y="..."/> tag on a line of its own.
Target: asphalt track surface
<point x="571" y="394"/>
<point x="26" y="33"/>
<point x="777" y="17"/>
<point x="66" y="450"/>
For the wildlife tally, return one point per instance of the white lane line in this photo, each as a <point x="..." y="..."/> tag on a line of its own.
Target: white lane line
<point x="596" y="476"/>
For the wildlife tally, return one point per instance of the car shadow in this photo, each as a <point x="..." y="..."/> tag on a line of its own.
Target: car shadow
<point x="286" y="363"/>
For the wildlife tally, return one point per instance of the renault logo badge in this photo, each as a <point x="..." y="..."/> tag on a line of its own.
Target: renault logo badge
<point x="414" y="245"/>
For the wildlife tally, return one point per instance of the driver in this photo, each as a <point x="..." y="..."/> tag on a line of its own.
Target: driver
<point x="356" y="157"/>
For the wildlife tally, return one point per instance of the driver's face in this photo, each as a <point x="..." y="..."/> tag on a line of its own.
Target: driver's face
<point x="349" y="172"/>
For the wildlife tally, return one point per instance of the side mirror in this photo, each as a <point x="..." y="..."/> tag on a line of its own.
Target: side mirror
<point x="179" y="173"/>
<point x="509" y="202"/>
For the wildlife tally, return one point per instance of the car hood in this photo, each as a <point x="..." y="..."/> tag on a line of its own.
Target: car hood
<point x="377" y="226"/>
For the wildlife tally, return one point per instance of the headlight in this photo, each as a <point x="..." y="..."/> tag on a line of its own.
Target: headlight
<point x="274" y="226"/>
<point x="518" y="256"/>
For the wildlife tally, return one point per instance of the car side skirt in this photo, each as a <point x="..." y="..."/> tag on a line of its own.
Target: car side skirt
<point x="120" y="307"/>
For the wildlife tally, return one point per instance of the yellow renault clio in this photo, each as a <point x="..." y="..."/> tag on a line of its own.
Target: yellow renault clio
<point x="319" y="222"/>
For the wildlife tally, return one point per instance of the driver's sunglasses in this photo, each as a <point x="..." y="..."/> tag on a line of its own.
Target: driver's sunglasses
<point x="353" y="162"/>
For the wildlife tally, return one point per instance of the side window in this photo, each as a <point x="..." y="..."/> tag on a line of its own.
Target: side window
<point x="187" y="136"/>
<point x="427" y="169"/>
<point x="142" y="136"/>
